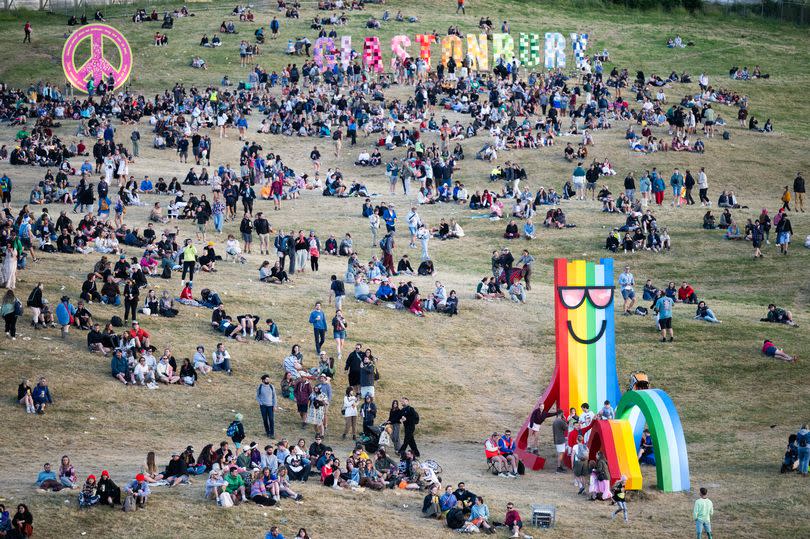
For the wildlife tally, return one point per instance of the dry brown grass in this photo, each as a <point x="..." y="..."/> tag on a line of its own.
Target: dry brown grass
<point x="467" y="375"/>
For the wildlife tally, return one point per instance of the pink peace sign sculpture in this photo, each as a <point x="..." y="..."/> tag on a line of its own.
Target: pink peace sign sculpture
<point x="97" y="66"/>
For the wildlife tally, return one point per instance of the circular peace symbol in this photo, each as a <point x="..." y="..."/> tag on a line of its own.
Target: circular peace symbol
<point x="97" y="66"/>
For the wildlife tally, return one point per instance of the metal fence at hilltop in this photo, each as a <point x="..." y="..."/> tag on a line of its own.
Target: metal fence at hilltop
<point x="795" y="11"/>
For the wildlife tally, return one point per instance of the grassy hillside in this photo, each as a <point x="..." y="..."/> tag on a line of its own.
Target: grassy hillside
<point x="468" y="375"/>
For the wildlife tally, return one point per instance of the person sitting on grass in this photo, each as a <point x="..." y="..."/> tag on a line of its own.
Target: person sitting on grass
<point x="176" y="471"/>
<point x="363" y="293"/>
<point x="235" y="485"/>
<point x="650" y="291"/>
<point x="686" y="294"/>
<point x="46" y="480"/>
<point x="511" y="231"/>
<point x="777" y="315"/>
<point x="770" y="350"/>
<point x="37" y="398"/>
<point x="479" y="518"/>
<point x="704" y="313"/>
<point x="88" y="496"/>
<point x="447" y="500"/>
<point x="108" y="491"/>
<point x="139" y="489"/>
<point x="513" y="521"/>
<point x="733" y="231"/>
<point x="430" y="505"/>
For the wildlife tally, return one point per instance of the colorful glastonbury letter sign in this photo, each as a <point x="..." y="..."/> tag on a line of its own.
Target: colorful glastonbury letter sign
<point x="478" y="51"/>
<point x="79" y="70"/>
<point x="372" y="56"/>
<point x="425" y="40"/>
<point x="323" y="53"/>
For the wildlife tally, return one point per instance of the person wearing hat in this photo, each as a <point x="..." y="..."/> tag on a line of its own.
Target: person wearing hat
<point x="214" y="485"/>
<point x="139" y="489"/>
<point x="236" y="431"/>
<point x="88" y="496"/>
<point x="108" y="491"/>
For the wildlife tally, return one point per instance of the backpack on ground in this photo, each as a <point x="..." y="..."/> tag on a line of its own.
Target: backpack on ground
<point x="116" y="321"/>
<point x="641" y="311"/>
<point x="129" y="504"/>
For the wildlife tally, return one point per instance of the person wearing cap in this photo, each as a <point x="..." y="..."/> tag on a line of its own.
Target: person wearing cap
<point x="139" y="489"/>
<point x="88" y="496"/>
<point x="108" y="491"/>
<point x="236" y="431"/>
<point x="214" y="485"/>
<point x="266" y="397"/>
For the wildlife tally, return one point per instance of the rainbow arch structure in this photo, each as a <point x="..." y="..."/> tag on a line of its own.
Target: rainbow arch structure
<point x="585" y="371"/>
<point x="656" y="409"/>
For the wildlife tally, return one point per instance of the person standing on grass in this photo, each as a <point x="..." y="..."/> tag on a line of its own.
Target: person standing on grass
<point x="803" y="445"/>
<point x="387" y="246"/>
<point x="663" y="306"/>
<point x="627" y="283"/>
<point x="703" y="188"/>
<point x="189" y="256"/>
<point x="460" y="7"/>
<point x="677" y="183"/>
<point x="318" y="320"/>
<point x="798" y="192"/>
<point x="27" y="30"/>
<point x="786" y="199"/>
<point x="409" y="419"/>
<point x="783" y="232"/>
<point x="620" y="497"/>
<point x="338" y="290"/>
<point x="702" y="514"/>
<point x="266" y="397"/>
<point x="339" y="326"/>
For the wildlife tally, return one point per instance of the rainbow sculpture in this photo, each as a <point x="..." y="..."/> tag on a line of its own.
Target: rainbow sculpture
<point x="585" y="371"/>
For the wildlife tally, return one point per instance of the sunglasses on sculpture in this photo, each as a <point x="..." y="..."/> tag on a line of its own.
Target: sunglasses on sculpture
<point x="600" y="297"/>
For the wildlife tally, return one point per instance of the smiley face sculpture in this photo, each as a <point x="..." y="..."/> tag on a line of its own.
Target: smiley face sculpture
<point x="585" y="372"/>
<point x="585" y="366"/>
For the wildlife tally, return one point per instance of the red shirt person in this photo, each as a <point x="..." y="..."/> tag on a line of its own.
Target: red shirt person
<point x="512" y="520"/>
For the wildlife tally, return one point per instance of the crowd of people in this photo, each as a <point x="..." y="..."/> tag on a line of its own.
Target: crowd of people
<point x="512" y="109"/>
